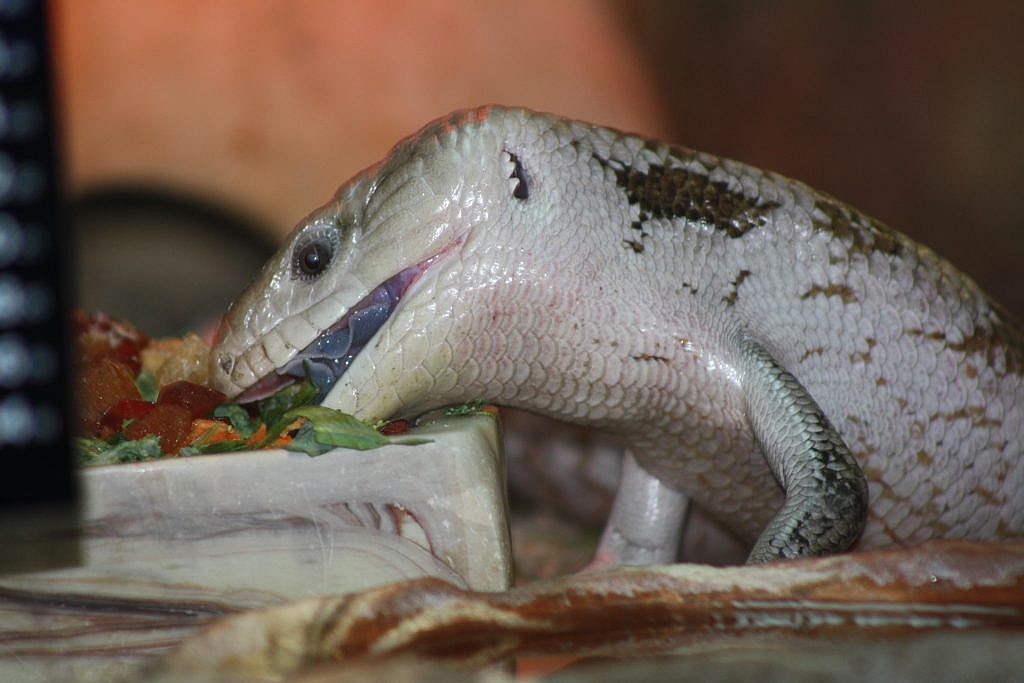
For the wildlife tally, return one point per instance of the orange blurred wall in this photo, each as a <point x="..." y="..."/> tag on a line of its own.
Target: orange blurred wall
<point x="268" y="105"/>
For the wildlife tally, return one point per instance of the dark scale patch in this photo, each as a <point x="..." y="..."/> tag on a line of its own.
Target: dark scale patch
<point x="816" y="351"/>
<point x="634" y="245"/>
<point x="998" y="341"/>
<point x="675" y="192"/>
<point x="864" y="356"/>
<point x="734" y="293"/>
<point x="1001" y="345"/>
<point x="651" y="357"/>
<point x="847" y="295"/>
<point x="865" y="235"/>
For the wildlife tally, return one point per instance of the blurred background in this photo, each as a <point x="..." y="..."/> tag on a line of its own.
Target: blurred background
<point x="197" y="133"/>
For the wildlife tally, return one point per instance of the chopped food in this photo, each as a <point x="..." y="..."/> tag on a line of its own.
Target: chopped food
<point x="171" y="360"/>
<point x="99" y="336"/>
<point x="100" y="452"/>
<point x="121" y="412"/>
<point x="170" y="423"/>
<point x="102" y="384"/>
<point x="141" y="399"/>
<point x="474" y="407"/>
<point x="199" y="400"/>
<point x="395" y="427"/>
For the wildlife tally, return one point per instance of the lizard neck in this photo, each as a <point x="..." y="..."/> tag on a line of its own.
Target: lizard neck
<point x="591" y="344"/>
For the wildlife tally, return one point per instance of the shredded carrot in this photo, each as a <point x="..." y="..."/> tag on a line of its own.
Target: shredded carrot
<point x="260" y="434"/>
<point x="283" y="440"/>
<point x="285" y="437"/>
<point x="211" y="431"/>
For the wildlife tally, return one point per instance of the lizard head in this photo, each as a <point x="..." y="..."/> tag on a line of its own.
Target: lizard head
<point x="354" y="296"/>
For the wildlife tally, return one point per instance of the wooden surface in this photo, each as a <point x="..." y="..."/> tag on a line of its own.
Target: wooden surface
<point x="949" y="587"/>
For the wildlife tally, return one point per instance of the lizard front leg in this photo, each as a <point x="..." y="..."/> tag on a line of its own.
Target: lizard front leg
<point x="645" y="523"/>
<point x="826" y="492"/>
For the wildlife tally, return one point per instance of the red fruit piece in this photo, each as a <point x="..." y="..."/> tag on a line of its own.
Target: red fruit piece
<point x="395" y="427"/>
<point x="102" y="384"/>
<point x="100" y="335"/>
<point x="129" y="409"/>
<point x="199" y="400"/>
<point x="171" y="423"/>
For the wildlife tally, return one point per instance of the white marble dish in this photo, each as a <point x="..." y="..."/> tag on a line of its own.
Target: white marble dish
<point x="169" y="545"/>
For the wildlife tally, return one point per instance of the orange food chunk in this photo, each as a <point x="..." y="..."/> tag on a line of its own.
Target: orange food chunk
<point x="102" y="384"/>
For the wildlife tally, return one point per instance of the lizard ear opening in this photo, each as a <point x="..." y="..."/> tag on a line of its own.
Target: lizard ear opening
<point x="521" y="190"/>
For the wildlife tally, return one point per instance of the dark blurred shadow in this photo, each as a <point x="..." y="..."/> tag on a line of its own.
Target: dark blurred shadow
<point x="912" y="113"/>
<point x="167" y="263"/>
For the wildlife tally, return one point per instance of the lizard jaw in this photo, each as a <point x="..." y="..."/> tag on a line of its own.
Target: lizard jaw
<point x="329" y="355"/>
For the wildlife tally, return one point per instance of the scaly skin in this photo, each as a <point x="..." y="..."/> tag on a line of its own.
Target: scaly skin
<point x="798" y="369"/>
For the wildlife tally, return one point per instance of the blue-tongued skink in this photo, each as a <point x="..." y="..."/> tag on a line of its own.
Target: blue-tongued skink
<point x="810" y="378"/>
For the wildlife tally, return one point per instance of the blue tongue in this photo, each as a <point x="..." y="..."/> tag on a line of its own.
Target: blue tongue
<point x="365" y="323"/>
<point x="327" y="358"/>
<point x="323" y="376"/>
<point x="330" y="345"/>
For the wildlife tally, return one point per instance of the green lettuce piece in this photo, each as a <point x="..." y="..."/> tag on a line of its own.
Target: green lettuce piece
<point x="275" y="410"/>
<point x="325" y="429"/>
<point x="474" y="407"/>
<point x="273" y="407"/>
<point x="337" y="429"/>
<point x="146" y="384"/>
<point x="305" y="442"/>
<point x="222" y="447"/>
<point x="93" y="452"/>
<point x="88" y="450"/>
<point x="239" y="419"/>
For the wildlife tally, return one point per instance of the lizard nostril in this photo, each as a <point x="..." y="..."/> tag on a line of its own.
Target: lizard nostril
<point x="226" y="363"/>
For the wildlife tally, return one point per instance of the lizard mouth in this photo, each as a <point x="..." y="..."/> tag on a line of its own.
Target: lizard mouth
<point x="327" y="357"/>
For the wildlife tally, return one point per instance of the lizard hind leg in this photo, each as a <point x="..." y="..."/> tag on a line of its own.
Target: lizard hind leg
<point x="826" y="491"/>
<point x="645" y="522"/>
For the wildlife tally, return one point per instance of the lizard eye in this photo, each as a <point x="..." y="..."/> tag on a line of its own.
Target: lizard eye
<point x="313" y="254"/>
